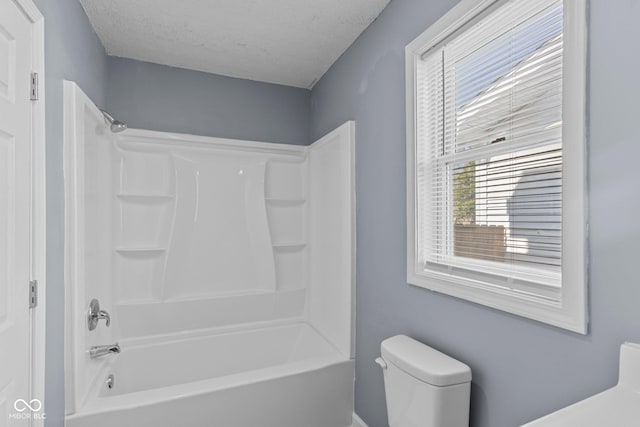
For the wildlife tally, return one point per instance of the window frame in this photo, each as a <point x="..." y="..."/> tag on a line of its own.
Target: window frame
<point x="569" y="309"/>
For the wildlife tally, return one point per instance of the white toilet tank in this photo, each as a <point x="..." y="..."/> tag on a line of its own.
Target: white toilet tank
<point x="424" y="388"/>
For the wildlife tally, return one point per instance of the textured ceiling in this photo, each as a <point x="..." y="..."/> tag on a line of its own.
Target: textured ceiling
<point x="289" y="42"/>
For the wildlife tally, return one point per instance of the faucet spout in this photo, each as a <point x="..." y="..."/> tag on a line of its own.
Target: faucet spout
<point x="103" y="350"/>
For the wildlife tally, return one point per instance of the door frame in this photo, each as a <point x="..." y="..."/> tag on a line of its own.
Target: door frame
<point x="38" y="215"/>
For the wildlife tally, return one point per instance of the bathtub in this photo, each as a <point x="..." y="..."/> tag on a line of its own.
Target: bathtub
<point x="277" y="376"/>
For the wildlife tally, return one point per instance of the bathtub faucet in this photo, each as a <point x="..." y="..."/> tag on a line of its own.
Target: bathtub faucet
<point x="103" y="350"/>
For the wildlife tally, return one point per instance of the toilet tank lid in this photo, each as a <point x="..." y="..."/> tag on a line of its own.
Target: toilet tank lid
<point x="423" y="362"/>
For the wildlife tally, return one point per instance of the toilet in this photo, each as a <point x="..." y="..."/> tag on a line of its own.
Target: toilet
<point x="423" y="387"/>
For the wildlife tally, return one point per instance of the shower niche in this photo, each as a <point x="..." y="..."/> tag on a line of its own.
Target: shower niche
<point x="182" y="234"/>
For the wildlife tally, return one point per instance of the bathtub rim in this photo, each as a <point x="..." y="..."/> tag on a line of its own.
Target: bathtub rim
<point x="95" y="403"/>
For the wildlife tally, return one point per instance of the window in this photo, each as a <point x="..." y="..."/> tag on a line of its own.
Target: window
<point x="496" y="158"/>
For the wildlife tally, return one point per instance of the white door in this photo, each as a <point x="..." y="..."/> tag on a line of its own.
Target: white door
<point x="15" y="199"/>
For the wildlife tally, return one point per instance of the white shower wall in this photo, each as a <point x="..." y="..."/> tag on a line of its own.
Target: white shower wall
<point x="176" y="233"/>
<point x="207" y="233"/>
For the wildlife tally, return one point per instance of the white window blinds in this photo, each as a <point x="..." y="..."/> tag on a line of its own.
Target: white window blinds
<point x="489" y="148"/>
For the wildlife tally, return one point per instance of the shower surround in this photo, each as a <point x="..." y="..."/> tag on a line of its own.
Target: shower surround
<point x="227" y="269"/>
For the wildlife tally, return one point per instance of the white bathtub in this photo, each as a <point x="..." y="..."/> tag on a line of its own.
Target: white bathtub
<point x="279" y="376"/>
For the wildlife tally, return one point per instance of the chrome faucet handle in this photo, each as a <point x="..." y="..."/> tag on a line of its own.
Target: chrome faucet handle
<point x="104" y="314"/>
<point x="94" y="314"/>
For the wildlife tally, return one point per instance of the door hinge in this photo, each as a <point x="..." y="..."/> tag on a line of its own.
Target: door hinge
<point x="33" y="293"/>
<point x="34" y="87"/>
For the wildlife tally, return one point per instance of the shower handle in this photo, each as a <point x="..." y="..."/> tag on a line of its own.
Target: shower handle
<point x="94" y="314"/>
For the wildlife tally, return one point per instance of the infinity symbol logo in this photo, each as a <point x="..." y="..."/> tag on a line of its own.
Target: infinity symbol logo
<point x="21" y="405"/>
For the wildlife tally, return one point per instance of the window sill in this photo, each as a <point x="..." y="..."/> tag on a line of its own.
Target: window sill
<point x="535" y="307"/>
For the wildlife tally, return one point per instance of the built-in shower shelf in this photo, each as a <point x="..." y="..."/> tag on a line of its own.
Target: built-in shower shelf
<point x="148" y="251"/>
<point x="289" y="245"/>
<point x="132" y="197"/>
<point x="284" y="202"/>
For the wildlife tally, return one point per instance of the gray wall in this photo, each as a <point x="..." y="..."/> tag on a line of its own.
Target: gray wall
<point x="522" y="369"/>
<point x="73" y="52"/>
<point x="157" y="97"/>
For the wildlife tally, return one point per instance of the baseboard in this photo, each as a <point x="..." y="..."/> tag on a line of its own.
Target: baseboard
<point x="357" y="421"/>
